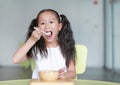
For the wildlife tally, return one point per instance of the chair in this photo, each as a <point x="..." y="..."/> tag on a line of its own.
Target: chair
<point x="81" y="57"/>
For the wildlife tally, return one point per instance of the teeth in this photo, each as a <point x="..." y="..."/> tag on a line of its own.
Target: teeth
<point x="47" y="33"/>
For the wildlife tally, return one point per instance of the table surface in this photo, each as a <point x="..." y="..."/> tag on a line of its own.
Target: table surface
<point x="77" y="82"/>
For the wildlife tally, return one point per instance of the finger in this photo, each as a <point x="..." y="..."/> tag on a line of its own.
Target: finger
<point x="38" y="30"/>
<point x="61" y="76"/>
<point x="62" y="70"/>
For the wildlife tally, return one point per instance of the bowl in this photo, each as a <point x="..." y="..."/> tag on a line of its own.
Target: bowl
<point x="49" y="75"/>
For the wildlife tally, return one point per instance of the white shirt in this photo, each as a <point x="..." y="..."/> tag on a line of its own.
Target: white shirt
<point x="54" y="61"/>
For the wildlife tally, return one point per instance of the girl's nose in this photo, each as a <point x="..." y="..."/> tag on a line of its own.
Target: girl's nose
<point x="47" y="26"/>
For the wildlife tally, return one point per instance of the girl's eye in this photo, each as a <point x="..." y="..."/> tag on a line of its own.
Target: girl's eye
<point x="42" y="23"/>
<point x="51" y="22"/>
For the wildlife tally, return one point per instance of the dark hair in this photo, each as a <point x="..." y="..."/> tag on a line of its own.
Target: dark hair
<point x="65" y="37"/>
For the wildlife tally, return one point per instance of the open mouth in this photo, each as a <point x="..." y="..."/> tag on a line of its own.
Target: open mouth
<point x="48" y="33"/>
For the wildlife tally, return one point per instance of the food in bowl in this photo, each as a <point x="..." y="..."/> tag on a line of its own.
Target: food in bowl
<point x="49" y="75"/>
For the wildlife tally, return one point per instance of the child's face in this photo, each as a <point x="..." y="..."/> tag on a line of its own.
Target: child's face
<point x="47" y="21"/>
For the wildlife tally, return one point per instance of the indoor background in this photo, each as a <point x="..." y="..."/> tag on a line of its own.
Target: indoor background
<point x="95" y="24"/>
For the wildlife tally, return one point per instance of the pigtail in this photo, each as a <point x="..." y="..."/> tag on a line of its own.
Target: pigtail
<point x="30" y="30"/>
<point x="31" y="27"/>
<point x="40" y="44"/>
<point x="67" y="42"/>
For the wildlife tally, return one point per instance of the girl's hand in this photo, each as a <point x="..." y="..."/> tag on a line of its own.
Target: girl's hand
<point x="62" y="73"/>
<point x="36" y="34"/>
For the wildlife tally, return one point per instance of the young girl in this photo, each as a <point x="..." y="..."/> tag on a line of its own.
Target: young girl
<point x="50" y="43"/>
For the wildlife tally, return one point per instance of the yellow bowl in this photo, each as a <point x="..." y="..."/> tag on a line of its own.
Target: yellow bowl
<point x="48" y="75"/>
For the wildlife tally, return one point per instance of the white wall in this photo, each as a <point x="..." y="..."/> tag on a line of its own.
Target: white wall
<point x="85" y="17"/>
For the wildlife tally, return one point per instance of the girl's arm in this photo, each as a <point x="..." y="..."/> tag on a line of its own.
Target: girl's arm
<point x="71" y="72"/>
<point x="20" y="54"/>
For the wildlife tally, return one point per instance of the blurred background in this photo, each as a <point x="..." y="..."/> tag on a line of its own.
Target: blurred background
<point x="95" y="24"/>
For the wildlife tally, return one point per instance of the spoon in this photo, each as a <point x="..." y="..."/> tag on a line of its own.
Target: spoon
<point x="48" y="33"/>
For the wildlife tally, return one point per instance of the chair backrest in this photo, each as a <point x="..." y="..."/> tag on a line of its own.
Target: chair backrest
<point x="81" y="58"/>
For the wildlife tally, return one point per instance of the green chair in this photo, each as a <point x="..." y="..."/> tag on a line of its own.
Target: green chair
<point x="81" y="58"/>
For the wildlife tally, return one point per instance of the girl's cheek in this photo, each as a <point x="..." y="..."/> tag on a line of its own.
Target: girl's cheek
<point x="41" y="27"/>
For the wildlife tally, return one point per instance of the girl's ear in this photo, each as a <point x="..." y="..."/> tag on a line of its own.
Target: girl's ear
<point x="60" y="26"/>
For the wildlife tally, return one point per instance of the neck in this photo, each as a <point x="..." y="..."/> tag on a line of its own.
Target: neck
<point x="52" y="44"/>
